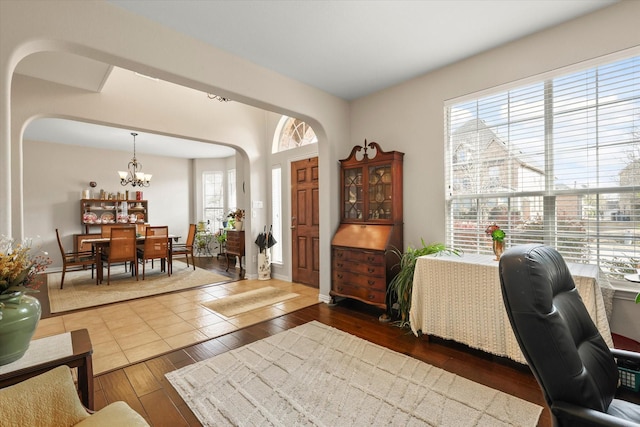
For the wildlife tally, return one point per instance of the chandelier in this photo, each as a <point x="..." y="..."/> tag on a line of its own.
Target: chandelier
<point x="134" y="174"/>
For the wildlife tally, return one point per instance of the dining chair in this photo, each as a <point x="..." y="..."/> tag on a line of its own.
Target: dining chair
<point x="105" y="229"/>
<point x="185" y="248"/>
<point x="73" y="261"/>
<point x="156" y="246"/>
<point x="140" y="228"/>
<point x="122" y="248"/>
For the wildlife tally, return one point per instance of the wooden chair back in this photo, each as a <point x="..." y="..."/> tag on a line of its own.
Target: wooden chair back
<point x="156" y="242"/>
<point x="74" y="260"/>
<point x="122" y="244"/>
<point x="105" y="229"/>
<point x="191" y="237"/>
<point x="141" y="228"/>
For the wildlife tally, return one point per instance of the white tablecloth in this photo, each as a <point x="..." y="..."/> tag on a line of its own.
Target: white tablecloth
<point x="459" y="298"/>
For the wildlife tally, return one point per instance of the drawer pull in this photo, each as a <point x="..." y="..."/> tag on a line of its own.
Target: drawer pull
<point x="371" y="259"/>
<point x="339" y="275"/>
<point x="371" y="282"/>
<point x="371" y="270"/>
<point x="339" y="264"/>
<point x="372" y="296"/>
<point x="340" y="288"/>
<point x="339" y="254"/>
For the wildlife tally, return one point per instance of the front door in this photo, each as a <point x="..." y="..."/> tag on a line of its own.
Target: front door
<point x="305" y="225"/>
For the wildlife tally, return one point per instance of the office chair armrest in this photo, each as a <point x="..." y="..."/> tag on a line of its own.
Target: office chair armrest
<point x="588" y="417"/>
<point x="625" y="355"/>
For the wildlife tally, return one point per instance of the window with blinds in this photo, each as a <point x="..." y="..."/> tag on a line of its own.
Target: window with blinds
<point x="555" y="162"/>
<point x="213" y="199"/>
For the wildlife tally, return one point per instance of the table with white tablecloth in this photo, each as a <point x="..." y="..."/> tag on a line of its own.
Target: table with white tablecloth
<point x="459" y="298"/>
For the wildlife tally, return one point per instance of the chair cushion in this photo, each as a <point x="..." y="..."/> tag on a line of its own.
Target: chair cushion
<point x="47" y="400"/>
<point x="115" y="414"/>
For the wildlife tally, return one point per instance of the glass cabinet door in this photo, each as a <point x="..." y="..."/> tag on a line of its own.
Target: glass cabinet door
<point x="353" y="194"/>
<point x="380" y="192"/>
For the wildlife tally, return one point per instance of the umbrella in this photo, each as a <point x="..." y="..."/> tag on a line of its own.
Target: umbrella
<point x="265" y="239"/>
<point x="261" y="241"/>
<point x="270" y="240"/>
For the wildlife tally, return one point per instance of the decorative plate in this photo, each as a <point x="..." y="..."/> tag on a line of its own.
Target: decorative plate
<point x="89" y="217"/>
<point x="107" y="218"/>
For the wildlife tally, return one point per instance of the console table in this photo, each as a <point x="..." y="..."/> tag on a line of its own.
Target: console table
<point x="71" y="348"/>
<point x="459" y="298"/>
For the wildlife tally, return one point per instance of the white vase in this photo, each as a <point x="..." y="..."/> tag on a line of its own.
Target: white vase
<point x="239" y="225"/>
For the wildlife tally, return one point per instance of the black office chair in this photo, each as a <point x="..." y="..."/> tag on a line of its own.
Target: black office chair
<point x="573" y="365"/>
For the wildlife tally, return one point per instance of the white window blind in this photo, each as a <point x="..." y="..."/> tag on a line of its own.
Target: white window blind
<point x="554" y="162"/>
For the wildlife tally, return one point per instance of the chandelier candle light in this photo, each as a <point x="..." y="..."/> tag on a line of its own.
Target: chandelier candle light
<point x="134" y="174"/>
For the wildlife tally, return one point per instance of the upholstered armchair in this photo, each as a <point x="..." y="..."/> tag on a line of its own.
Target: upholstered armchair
<point x="51" y="400"/>
<point x="567" y="355"/>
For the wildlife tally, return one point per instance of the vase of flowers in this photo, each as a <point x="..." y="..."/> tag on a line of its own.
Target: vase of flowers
<point x="19" y="312"/>
<point x="497" y="235"/>
<point x="237" y="218"/>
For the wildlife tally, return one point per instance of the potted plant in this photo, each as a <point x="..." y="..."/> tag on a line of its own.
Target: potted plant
<point x="19" y="313"/>
<point x="400" y="287"/>
<point x="236" y="218"/>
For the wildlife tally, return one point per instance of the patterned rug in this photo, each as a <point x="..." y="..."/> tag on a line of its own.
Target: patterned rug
<point x="317" y="375"/>
<point x="80" y="290"/>
<point x="241" y="303"/>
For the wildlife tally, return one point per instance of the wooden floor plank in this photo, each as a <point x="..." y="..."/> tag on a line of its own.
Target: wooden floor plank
<point x="142" y="379"/>
<point x="162" y="411"/>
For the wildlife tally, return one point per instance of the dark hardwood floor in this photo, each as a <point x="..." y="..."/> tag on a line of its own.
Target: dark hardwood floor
<point x="144" y="387"/>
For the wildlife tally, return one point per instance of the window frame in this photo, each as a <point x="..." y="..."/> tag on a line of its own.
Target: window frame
<point x="550" y="199"/>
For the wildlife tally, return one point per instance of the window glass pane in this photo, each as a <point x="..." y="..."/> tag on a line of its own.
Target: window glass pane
<point x="295" y="133"/>
<point x="231" y="189"/>
<point x="556" y="162"/>
<point x="213" y="190"/>
<point x="276" y="213"/>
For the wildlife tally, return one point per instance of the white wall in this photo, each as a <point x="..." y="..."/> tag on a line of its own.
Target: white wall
<point x="56" y="174"/>
<point x="109" y="34"/>
<point x="407" y="117"/>
<point x="410" y="117"/>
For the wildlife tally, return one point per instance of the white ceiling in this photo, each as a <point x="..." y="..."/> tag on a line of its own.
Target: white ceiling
<point x="347" y="48"/>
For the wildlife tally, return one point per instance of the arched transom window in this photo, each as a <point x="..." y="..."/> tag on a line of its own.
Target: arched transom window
<point x="293" y="133"/>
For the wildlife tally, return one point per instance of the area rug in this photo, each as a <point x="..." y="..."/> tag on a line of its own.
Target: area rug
<point x="80" y="290"/>
<point x="317" y="375"/>
<point x="246" y="301"/>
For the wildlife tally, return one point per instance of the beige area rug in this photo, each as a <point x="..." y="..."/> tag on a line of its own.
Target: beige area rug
<point x="80" y="290"/>
<point x="237" y="304"/>
<point x="317" y="375"/>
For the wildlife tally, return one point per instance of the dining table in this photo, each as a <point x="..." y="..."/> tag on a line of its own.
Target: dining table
<point x="459" y="298"/>
<point x="100" y="243"/>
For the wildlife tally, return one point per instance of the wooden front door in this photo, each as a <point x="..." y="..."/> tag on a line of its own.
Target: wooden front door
<point x="305" y="225"/>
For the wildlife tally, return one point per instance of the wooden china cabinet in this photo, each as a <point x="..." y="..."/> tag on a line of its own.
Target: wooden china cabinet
<point x="370" y="226"/>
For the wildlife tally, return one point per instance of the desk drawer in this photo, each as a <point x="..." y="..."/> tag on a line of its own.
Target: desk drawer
<point x="359" y="292"/>
<point x="359" y="268"/>
<point x="353" y="279"/>
<point x="355" y="255"/>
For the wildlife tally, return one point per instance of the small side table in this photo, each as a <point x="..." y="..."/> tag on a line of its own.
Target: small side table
<point x="79" y="357"/>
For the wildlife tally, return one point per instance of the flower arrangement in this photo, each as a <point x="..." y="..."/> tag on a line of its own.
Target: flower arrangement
<point x="496" y="233"/>
<point x="237" y="215"/>
<point x="19" y="266"/>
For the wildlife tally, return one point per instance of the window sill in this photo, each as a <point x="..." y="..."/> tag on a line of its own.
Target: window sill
<point x="624" y="289"/>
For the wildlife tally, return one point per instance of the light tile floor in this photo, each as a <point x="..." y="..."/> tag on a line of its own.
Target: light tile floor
<point x="132" y="331"/>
